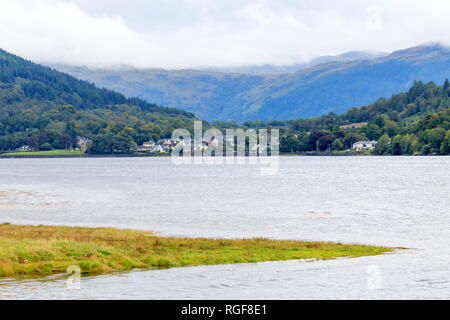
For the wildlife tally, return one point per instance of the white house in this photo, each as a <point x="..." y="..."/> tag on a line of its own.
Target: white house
<point x="24" y="148"/>
<point x="149" y="144"/>
<point x="146" y="146"/>
<point x="364" y="145"/>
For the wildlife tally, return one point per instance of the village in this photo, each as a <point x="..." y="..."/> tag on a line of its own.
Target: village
<point x="167" y="145"/>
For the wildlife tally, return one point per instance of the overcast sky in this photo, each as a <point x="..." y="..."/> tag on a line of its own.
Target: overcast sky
<point x="203" y="33"/>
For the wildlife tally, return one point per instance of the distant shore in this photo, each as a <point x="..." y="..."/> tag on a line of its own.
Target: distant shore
<point x="83" y="156"/>
<point x="158" y="155"/>
<point x="168" y="155"/>
<point x="44" y="250"/>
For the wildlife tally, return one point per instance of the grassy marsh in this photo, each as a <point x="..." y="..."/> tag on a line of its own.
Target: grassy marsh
<point x="43" y="250"/>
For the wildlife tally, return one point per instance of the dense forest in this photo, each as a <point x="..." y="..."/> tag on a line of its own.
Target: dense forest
<point x="413" y="122"/>
<point x="47" y="109"/>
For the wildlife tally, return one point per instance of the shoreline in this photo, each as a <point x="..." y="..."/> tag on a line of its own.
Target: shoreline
<point x="47" y="250"/>
<point x="83" y="156"/>
<point x="168" y="156"/>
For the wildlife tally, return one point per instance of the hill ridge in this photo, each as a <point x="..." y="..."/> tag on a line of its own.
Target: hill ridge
<point x="332" y="86"/>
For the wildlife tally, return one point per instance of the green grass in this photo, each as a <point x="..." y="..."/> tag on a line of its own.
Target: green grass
<point x="42" y="250"/>
<point x="46" y="153"/>
<point x="354" y="152"/>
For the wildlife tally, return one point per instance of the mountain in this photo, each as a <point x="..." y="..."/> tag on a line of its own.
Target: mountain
<point x="49" y="109"/>
<point x="323" y="87"/>
<point x="208" y="94"/>
<point x="279" y="69"/>
<point x="337" y="86"/>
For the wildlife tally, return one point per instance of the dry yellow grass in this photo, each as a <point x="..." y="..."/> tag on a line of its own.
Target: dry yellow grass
<point x="354" y="125"/>
<point x="52" y="249"/>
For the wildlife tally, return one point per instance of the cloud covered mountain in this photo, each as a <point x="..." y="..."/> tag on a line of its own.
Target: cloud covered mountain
<point x="327" y="84"/>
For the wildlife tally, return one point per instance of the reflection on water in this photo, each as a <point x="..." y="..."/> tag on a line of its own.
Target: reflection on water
<point x="401" y="201"/>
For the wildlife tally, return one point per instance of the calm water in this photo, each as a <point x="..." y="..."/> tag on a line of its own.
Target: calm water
<point x="401" y="201"/>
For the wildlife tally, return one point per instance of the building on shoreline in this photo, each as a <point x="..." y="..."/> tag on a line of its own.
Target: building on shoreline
<point x="146" y="146"/>
<point x="83" y="143"/>
<point x="24" y="148"/>
<point x="161" y="146"/>
<point x="364" y="145"/>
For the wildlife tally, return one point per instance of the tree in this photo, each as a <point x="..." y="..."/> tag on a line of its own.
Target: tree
<point x="303" y="140"/>
<point x="65" y="141"/>
<point x="431" y="121"/>
<point x="324" y="142"/>
<point x="33" y="142"/>
<point x="383" y="145"/>
<point x="396" y="145"/>
<point x="289" y="143"/>
<point x="409" y="144"/>
<point x="426" y="149"/>
<point x="372" y="131"/>
<point x="43" y="138"/>
<point x="446" y="88"/>
<point x="380" y="121"/>
<point x="45" y="146"/>
<point x="416" y="90"/>
<point x="391" y="128"/>
<point x="435" y="137"/>
<point x="337" y="145"/>
<point x="71" y="130"/>
<point x="445" y="146"/>
<point x="313" y="143"/>
<point x="110" y="143"/>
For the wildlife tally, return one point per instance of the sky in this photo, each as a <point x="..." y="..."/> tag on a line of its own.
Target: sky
<point x="175" y="34"/>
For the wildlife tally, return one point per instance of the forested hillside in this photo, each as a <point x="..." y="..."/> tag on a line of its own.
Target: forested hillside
<point x="404" y="107"/>
<point x="413" y="122"/>
<point x="417" y="121"/>
<point x="47" y="109"/>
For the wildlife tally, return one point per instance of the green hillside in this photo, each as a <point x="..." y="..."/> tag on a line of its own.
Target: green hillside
<point x="412" y="122"/>
<point x="47" y="109"/>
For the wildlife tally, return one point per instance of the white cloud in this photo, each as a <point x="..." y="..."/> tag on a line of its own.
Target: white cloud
<point x="55" y="31"/>
<point x="201" y="33"/>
